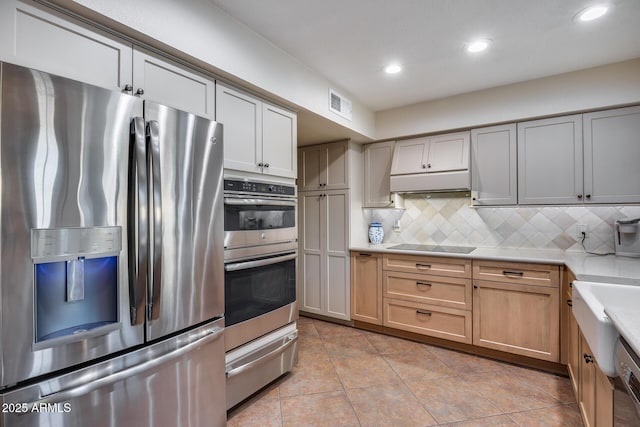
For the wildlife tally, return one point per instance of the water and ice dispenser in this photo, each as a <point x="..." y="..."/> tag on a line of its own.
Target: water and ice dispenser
<point x="76" y="283"/>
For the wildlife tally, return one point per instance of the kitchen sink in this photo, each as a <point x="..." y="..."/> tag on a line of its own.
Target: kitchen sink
<point x="589" y="302"/>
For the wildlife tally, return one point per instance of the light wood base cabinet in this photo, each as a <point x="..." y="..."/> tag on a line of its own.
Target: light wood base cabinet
<point x="595" y="397"/>
<point x="513" y="312"/>
<point x="428" y="295"/>
<point x="366" y="287"/>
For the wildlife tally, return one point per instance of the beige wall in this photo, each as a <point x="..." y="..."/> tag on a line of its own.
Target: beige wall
<point x="609" y="85"/>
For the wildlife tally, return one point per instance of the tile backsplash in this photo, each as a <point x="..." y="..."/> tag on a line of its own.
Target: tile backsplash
<point x="450" y="220"/>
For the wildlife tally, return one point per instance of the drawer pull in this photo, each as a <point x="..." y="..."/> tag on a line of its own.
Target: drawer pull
<point x="422" y="266"/>
<point x="513" y="273"/>
<point x="426" y="313"/>
<point x="423" y="284"/>
<point x="363" y="254"/>
<point x="570" y="303"/>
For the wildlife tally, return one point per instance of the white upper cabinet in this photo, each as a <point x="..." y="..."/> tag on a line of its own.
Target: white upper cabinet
<point x="411" y="156"/>
<point x="612" y="156"/>
<point x="258" y="137"/>
<point x="377" y="170"/>
<point x="241" y="118"/>
<point x="550" y="161"/>
<point x="449" y="152"/>
<point x="279" y="140"/>
<point x="324" y="166"/>
<point x="434" y="163"/>
<point x="440" y="153"/>
<point x="165" y="82"/>
<point x="37" y="37"/>
<point x="494" y="179"/>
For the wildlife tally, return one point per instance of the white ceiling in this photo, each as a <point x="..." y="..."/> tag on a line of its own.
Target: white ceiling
<point x="350" y="41"/>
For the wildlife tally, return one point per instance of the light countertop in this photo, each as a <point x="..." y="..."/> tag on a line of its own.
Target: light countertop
<point x="627" y="322"/>
<point x="610" y="268"/>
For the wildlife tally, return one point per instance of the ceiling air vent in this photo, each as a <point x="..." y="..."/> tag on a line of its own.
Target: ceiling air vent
<point x="339" y="104"/>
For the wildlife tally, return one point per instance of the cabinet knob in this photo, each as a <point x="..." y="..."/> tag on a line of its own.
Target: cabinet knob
<point x="266" y="165"/>
<point x="260" y="164"/>
<point x="428" y="165"/>
<point x="587" y="358"/>
<point x="475" y="286"/>
<point x="588" y="196"/>
<point x="128" y="88"/>
<point x="579" y="196"/>
<point x="570" y="303"/>
<point x="424" y="166"/>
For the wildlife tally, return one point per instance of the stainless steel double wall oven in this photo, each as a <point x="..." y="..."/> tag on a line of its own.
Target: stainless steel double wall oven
<point x="260" y="242"/>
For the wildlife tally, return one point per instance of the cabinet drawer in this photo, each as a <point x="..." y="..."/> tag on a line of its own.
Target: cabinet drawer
<point x="428" y="289"/>
<point x="442" y="322"/>
<point x="521" y="273"/>
<point x="451" y="267"/>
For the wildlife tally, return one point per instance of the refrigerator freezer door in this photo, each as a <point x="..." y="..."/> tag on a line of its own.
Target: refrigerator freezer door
<point x="187" y="277"/>
<point x="175" y="382"/>
<point x="64" y="149"/>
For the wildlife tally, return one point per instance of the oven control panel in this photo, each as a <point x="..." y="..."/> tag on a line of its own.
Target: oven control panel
<point x="258" y="187"/>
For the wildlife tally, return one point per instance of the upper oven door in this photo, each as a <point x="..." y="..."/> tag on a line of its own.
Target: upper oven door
<point x="253" y="221"/>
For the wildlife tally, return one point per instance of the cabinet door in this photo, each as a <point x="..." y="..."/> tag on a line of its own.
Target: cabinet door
<point x="241" y="117"/>
<point x="573" y="353"/>
<point x="337" y="166"/>
<point x="312" y="173"/>
<point x="377" y="170"/>
<point x="36" y="37"/>
<point x="279" y="140"/>
<point x="587" y="401"/>
<point x="518" y="319"/>
<point x="336" y="229"/>
<point x="410" y="156"/>
<point x="611" y="156"/>
<point x="324" y="166"/>
<point x="174" y="85"/>
<point x="366" y="287"/>
<point x="550" y="161"/>
<point x="448" y="152"/>
<point x="494" y="179"/>
<point x="310" y="265"/>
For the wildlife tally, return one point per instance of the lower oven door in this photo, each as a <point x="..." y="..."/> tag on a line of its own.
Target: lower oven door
<point x="259" y="286"/>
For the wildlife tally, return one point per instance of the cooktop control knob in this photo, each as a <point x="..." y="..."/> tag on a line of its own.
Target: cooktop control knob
<point x="272" y="188"/>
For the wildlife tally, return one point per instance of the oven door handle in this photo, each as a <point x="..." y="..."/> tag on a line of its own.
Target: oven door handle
<point x="258" y="263"/>
<point x="263" y="202"/>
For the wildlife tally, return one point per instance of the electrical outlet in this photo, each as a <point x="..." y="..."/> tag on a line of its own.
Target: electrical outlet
<point x="396" y="225"/>
<point x="581" y="230"/>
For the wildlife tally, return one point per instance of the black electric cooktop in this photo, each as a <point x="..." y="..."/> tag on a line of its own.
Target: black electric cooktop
<point x="434" y="248"/>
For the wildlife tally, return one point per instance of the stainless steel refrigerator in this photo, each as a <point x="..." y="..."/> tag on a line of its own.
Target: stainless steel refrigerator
<point x="111" y="258"/>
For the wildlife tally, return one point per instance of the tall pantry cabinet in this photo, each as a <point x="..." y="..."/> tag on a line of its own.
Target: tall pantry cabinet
<point x="326" y="195"/>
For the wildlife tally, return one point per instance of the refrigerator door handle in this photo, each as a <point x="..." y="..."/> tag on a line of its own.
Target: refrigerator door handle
<point x="137" y="227"/>
<point x="156" y="268"/>
<point x="206" y="337"/>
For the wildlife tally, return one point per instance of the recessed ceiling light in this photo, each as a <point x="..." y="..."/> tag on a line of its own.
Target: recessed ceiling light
<point x="393" y="68"/>
<point x="478" y="45"/>
<point x="591" y="13"/>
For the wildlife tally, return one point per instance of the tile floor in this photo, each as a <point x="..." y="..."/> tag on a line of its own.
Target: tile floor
<point x="349" y="377"/>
